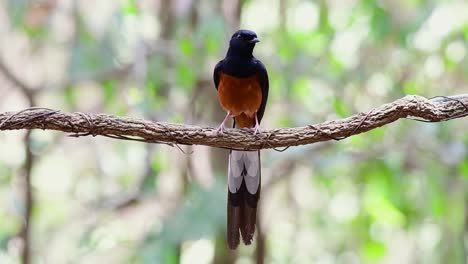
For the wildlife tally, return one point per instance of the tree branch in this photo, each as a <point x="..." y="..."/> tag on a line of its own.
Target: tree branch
<point x="437" y="109"/>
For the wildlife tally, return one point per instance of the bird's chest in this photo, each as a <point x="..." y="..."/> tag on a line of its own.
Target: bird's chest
<point x="239" y="95"/>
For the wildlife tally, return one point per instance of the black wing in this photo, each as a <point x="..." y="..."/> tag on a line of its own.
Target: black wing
<point x="263" y="79"/>
<point x="218" y="68"/>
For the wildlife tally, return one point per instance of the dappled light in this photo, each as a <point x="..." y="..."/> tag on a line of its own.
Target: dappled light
<point x="123" y="163"/>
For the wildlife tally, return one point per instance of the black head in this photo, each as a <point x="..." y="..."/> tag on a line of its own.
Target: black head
<point x="242" y="43"/>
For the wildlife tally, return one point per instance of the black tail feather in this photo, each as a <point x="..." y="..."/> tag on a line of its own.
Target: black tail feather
<point x="233" y="223"/>
<point x="241" y="216"/>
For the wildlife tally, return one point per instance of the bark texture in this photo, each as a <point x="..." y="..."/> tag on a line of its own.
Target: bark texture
<point x="437" y="109"/>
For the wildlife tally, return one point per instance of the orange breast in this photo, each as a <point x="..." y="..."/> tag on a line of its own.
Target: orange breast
<point x="240" y="96"/>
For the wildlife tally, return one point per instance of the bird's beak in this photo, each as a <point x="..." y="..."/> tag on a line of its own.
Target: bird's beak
<point x="255" y="40"/>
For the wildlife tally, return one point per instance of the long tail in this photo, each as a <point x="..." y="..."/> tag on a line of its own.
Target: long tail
<point x="243" y="194"/>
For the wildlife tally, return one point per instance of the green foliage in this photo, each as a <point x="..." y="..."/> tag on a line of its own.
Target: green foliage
<point x="202" y="214"/>
<point x="129" y="7"/>
<point x="379" y="19"/>
<point x="185" y="76"/>
<point x="109" y="89"/>
<point x="463" y="168"/>
<point x="340" y="107"/>
<point x="373" y="251"/>
<point x="17" y="10"/>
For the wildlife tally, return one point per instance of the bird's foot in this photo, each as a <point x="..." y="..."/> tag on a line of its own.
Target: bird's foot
<point x="220" y="129"/>
<point x="256" y="129"/>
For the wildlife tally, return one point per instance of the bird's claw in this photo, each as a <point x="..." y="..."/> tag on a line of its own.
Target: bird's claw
<point x="256" y="129"/>
<point x="257" y="125"/>
<point x="220" y="129"/>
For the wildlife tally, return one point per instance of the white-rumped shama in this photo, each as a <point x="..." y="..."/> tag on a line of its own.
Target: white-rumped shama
<point x="242" y="84"/>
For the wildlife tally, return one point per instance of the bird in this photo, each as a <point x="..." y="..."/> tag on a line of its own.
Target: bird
<point x="242" y="86"/>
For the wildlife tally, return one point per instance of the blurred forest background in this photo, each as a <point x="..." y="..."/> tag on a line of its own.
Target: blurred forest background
<point x="397" y="194"/>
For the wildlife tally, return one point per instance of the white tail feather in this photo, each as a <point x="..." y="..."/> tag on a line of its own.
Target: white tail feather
<point x="247" y="165"/>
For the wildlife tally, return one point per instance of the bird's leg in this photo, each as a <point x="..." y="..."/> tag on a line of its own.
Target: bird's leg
<point x="221" y="127"/>
<point x="257" y="125"/>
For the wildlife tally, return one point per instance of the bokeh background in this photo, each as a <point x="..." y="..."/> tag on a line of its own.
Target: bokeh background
<point x="397" y="194"/>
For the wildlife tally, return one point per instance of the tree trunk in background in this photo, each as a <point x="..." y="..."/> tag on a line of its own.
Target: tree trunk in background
<point x="27" y="200"/>
<point x="260" y="250"/>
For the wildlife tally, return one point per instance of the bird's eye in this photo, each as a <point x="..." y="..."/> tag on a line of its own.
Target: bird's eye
<point x="238" y="36"/>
